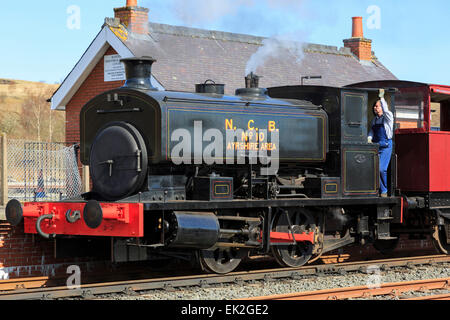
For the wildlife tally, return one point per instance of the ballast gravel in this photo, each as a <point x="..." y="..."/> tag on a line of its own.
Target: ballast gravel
<point x="371" y="277"/>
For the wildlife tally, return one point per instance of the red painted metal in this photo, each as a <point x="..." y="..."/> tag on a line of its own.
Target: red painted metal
<point x="119" y="219"/>
<point x="440" y="89"/>
<point x="423" y="161"/>
<point x="439" y="153"/>
<point x="424" y="155"/>
<point x="403" y="208"/>
<point x="412" y="152"/>
<point x="286" y="237"/>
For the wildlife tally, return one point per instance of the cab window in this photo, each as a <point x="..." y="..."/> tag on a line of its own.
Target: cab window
<point x="409" y="110"/>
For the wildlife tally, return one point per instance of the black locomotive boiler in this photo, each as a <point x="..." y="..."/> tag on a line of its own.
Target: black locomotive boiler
<point x="223" y="177"/>
<point x="135" y="135"/>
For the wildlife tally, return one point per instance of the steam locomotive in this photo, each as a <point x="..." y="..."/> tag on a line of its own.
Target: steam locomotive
<point x="286" y="172"/>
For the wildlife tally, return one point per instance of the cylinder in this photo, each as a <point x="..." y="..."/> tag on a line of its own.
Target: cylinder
<point x="198" y="230"/>
<point x="357" y="30"/>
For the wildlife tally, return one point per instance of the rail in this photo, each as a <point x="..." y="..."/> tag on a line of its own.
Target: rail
<point x="437" y="297"/>
<point x="390" y="289"/>
<point x="91" y="290"/>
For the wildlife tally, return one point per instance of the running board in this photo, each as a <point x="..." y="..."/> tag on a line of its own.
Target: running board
<point x="331" y="245"/>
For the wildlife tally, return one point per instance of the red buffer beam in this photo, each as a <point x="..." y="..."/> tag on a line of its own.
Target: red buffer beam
<point x="85" y="219"/>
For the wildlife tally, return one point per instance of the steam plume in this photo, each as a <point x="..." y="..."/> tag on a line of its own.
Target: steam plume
<point x="275" y="47"/>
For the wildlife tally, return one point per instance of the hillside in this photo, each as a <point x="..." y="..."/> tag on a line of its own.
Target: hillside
<point x="25" y="112"/>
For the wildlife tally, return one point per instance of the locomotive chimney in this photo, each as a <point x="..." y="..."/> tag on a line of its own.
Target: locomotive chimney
<point x="360" y="46"/>
<point x="138" y="73"/>
<point x="252" y="88"/>
<point x="251" y="81"/>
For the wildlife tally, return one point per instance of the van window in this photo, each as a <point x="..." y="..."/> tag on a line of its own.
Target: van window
<point x="409" y="110"/>
<point x="435" y="116"/>
<point x="440" y="115"/>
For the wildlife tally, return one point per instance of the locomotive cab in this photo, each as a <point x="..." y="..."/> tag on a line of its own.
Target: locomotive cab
<point x="351" y="158"/>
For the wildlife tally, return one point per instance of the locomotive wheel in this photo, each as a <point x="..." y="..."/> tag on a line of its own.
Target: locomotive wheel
<point x="221" y="260"/>
<point x="440" y="239"/>
<point x="293" y="255"/>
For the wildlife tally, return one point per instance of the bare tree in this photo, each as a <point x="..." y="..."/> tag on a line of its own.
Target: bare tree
<point x="36" y="111"/>
<point x="9" y="123"/>
<point x="50" y="125"/>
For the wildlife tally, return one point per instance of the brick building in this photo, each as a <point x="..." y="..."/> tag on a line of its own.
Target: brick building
<point x="186" y="56"/>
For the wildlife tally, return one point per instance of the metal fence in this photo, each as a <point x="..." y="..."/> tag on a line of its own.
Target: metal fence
<point x="3" y="197"/>
<point x="42" y="171"/>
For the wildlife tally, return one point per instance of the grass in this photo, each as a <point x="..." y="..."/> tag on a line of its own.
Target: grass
<point x="18" y="119"/>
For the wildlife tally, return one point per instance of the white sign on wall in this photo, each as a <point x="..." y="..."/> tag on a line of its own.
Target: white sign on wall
<point x="114" y="69"/>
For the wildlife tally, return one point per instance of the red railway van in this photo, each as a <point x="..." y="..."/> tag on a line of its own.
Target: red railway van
<point x="422" y="135"/>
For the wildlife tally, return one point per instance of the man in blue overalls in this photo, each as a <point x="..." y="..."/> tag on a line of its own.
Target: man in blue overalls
<point x="382" y="132"/>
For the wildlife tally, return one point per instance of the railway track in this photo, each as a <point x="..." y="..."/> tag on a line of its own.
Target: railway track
<point x="24" y="283"/>
<point x="390" y="289"/>
<point x="89" y="291"/>
<point x="437" y="297"/>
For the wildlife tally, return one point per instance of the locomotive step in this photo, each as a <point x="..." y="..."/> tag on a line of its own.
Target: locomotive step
<point x="385" y="218"/>
<point x="387" y="238"/>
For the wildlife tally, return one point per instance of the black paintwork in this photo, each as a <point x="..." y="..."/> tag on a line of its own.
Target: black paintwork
<point x="303" y="126"/>
<point x="350" y="157"/>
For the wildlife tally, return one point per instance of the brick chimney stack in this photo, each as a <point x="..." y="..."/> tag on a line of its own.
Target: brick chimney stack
<point x="360" y="46"/>
<point x="133" y="17"/>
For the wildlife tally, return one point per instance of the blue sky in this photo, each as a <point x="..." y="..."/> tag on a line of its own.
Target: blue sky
<point x="42" y="40"/>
